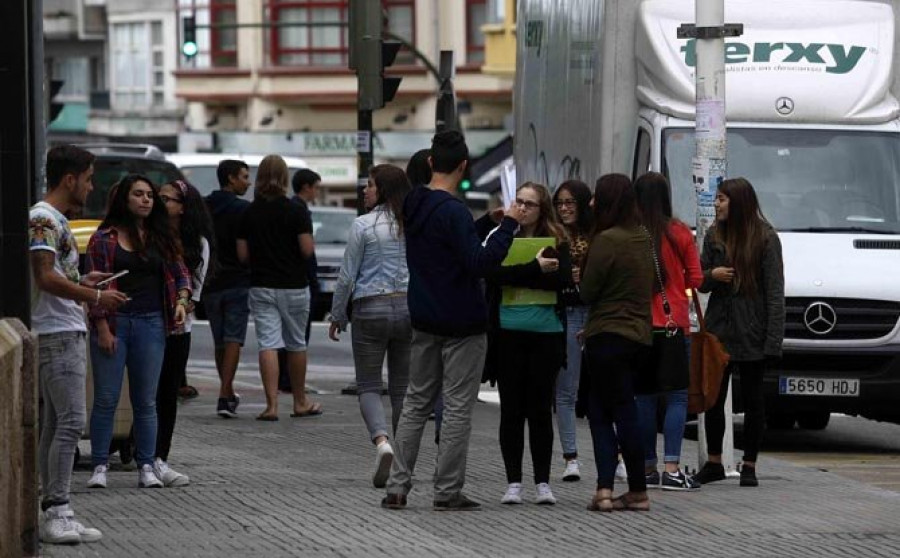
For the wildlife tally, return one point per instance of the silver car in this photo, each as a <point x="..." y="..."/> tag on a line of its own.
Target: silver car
<point x="331" y="228"/>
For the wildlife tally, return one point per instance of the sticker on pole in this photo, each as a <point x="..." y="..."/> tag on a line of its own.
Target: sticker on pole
<point x="700" y="174"/>
<point x="363" y="141"/>
<point x="710" y="123"/>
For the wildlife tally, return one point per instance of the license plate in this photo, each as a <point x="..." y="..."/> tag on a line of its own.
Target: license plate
<point x="839" y="387"/>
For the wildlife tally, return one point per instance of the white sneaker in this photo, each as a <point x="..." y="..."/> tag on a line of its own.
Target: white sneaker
<point x="384" y="456"/>
<point x="621" y="472"/>
<point x="87" y="534"/>
<point x="573" y="473"/>
<point x="544" y="495"/>
<point x="169" y="476"/>
<point x="56" y="527"/>
<point x="147" y="478"/>
<point x="98" y="479"/>
<point x="513" y="494"/>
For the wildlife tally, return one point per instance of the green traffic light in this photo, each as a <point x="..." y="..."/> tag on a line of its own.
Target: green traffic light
<point x="189" y="48"/>
<point x="465" y="185"/>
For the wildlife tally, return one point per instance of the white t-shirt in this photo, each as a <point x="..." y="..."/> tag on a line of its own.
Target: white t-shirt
<point x="48" y="229"/>
<point x="197" y="280"/>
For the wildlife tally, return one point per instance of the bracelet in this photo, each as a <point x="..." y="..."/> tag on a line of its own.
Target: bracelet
<point x="98" y="297"/>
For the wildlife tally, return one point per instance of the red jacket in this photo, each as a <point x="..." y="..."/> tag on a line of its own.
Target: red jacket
<point x="682" y="264"/>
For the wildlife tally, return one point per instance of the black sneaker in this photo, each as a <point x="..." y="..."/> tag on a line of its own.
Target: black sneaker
<point x="227" y="407"/>
<point x="679" y="481"/>
<point x="748" y="476"/>
<point x="710" y="472"/>
<point x="457" y="503"/>
<point x="652" y="479"/>
<point x="394" y="502"/>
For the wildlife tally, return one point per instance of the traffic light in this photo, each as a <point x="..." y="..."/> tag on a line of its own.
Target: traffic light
<point x="55" y="107"/>
<point x="370" y="54"/>
<point x="189" y="37"/>
<point x="465" y="185"/>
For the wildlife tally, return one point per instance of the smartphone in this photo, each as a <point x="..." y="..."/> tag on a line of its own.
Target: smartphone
<point x="110" y="279"/>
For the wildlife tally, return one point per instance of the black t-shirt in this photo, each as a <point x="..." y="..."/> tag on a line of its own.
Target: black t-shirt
<point x="271" y="229"/>
<point x="143" y="283"/>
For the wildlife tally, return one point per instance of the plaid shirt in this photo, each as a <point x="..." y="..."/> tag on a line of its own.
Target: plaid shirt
<point x="101" y="253"/>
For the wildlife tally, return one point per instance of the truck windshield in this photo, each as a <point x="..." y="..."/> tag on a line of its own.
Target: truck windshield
<point x="806" y="180"/>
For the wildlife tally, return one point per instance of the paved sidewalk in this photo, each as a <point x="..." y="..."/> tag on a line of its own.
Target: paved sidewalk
<point x="301" y="487"/>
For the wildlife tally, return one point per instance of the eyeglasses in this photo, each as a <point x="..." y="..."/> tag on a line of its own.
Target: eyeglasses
<point x="565" y="203"/>
<point x="527" y="204"/>
<point x="167" y="199"/>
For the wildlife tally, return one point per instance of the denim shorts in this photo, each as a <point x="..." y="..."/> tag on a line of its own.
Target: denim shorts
<point x="280" y="316"/>
<point x="228" y="313"/>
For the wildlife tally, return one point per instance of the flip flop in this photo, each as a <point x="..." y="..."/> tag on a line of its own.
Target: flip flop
<point x="267" y="418"/>
<point x="314" y="410"/>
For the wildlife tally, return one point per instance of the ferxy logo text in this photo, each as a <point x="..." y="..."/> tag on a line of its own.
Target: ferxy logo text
<point x="837" y="59"/>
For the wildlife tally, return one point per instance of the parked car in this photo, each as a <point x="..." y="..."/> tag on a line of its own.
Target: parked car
<point x="331" y="229"/>
<point x="113" y="161"/>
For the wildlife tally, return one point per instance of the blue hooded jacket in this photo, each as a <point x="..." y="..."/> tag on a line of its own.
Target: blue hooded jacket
<point x="446" y="262"/>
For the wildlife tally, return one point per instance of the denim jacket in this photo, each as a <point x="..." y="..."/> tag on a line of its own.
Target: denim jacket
<point x="374" y="262"/>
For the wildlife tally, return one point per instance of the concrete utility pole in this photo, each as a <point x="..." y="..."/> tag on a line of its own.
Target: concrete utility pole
<point x="710" y="162"/>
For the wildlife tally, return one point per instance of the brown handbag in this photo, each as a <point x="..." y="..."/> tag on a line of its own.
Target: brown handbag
<point x="708" y="361"/>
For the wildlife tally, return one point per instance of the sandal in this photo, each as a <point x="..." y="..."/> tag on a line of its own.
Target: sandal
<point x="315" y="409"/>
<point x="631" y="501"/>
<point x="600" y="505"/>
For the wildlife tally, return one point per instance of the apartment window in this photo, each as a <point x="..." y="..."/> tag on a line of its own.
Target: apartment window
<point x="476" y="16"/>
<point x="216" y="47"/>
<point x="326" y="41"/>
<point x="138" y="65"/>
<point x="75" y="76"/>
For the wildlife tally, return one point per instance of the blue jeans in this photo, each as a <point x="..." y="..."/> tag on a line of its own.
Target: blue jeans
<point x="673" y="427"/>
<point x="140" y="346"/>
<point x="567" y="382"/>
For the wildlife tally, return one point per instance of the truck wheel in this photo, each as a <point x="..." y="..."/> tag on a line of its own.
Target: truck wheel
<point x="780" y="421"/>
<point x="814" y="420"/>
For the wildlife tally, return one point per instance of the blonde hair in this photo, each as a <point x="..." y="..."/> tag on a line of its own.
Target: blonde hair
<point x="547" y="224"/>
<point x="272" y="177"/>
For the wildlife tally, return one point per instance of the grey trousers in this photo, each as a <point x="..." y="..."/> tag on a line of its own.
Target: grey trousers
<point x="62" y="359"/>
<point x="448" y="365"/>
<point x="381" y="327"/>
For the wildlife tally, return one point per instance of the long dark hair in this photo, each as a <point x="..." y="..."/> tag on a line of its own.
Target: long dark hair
<point x="582" y="195"/>
<point x="392" y="186"/>
<point x="158" y="233"/>
<point x="418" y="171"/>
<point x="614" y="203"/>
<point x="743" y="233"/>
<point x="655" y="206"/>
<point x="194" y="225"/>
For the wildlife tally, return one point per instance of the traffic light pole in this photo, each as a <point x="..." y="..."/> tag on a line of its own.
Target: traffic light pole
<point x="365" y="156"/>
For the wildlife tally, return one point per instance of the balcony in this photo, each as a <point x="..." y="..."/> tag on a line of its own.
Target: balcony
<point x="500" y="43"/>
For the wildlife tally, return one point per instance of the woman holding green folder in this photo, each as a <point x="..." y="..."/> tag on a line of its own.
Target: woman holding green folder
<point x="527" y="343"/>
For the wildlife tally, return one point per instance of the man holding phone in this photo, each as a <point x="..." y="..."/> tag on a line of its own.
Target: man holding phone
<point x="58" y="319"/>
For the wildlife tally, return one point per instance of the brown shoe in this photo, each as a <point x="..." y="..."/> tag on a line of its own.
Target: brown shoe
<point x="394" y="502"/>
<point x="631" y="501"/>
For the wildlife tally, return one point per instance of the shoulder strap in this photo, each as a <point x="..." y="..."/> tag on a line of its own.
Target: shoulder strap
<point x="700" y="319"/>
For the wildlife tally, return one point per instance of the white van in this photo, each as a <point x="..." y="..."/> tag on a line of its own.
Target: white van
<point x="200" y="168"/>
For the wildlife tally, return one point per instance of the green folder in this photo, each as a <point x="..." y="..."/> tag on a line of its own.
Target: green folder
<point x="523" y="250"/>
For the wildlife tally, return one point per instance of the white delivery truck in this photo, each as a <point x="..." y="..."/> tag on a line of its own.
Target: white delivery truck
<point x="814" y="124"/>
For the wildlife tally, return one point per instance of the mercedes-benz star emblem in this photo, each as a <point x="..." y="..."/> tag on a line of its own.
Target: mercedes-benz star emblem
<point x="784" y="105"/>
<point x="820" y="318"/>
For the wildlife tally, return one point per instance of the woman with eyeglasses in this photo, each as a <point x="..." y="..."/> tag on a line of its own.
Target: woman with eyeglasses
<point x="526" y="344"/>
<point x="572" y="200"/>
<point x="135" y="237"/>
<point x="192" y="226"/>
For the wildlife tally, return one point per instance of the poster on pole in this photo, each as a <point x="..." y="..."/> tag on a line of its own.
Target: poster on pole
<point x="710" y="123"/>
